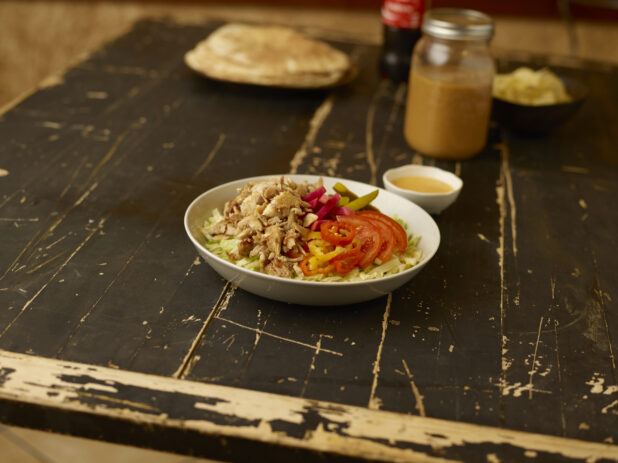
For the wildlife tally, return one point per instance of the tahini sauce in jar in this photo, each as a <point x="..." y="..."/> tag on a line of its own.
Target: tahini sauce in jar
<point x="450" y="87"/>
<point x="449" y="113"/>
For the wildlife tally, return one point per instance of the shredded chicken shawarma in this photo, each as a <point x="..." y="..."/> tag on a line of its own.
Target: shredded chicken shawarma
<point x="270" y="220"/>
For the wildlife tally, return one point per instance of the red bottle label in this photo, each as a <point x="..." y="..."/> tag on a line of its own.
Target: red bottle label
<point x="403" y="14"/>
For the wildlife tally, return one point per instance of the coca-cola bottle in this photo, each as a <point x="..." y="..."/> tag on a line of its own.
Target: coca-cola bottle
<point x="401" y="22"/>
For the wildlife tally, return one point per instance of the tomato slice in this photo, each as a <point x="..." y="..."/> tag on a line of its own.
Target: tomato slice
<point x="400" y="234"/>
<point x="348" y="259"/>
<point x="337" y="233"/>
<point x="308" y="271"/>
<point x="388" y="240"/>
<point x="352" y="250"/>
<point x="344" y="266"/>
<point x="368" y="235"/>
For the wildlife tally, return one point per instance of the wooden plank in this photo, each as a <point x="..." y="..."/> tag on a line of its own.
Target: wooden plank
<point x="231" y="420"/>
<point x="558" y="340"/>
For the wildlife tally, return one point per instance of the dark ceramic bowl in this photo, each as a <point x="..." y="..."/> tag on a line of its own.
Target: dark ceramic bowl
<point x="540" y="119"/>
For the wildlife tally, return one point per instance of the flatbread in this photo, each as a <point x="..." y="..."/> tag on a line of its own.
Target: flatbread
<point x="268" y="55"/>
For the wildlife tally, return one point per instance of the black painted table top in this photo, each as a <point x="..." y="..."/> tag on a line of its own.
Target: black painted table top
<point x="502" y="348"/>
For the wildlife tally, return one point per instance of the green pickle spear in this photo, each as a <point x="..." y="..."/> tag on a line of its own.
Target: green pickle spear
<point x="355" y="202"/>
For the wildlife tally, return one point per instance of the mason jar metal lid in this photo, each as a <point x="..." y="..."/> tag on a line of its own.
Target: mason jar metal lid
<point x="457" y="24"/>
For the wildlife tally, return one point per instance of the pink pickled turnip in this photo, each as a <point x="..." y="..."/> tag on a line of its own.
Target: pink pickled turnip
<point x="341" y="210"/>
<point x="326" y="208"/>
<point x="314" y="194"/>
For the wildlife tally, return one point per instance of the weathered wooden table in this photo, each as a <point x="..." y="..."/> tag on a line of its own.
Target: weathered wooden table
<point x="502" y="349"/>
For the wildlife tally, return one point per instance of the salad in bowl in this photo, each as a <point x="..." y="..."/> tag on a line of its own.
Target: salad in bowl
<point x="280" y="236"/>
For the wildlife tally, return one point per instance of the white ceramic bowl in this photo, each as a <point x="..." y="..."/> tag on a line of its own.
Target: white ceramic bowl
<point x="311" y="292"/>
<point x="434" y="203"/>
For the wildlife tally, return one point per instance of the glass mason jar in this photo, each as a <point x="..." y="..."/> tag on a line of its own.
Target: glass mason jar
<point x="449" y="92"/>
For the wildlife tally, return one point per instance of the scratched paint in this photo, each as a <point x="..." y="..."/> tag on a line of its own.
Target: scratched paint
<point x="507" y="182"/>
<point x="318" y="347"/>
<point x="52" y="125"/>
<point x="533" y="368"/>
<point x="27" y="304"/>
<point x="321" y="165"/>
<point x="612" y="407"/>
<point x="262" y="417"/>
<point x="369" y="126"/>
<point x="505" y="199"/>
<point x="482" y="237"/>
<point x="211" y="155"/>
<point x="375" y="402"/>
<point x="39" y="237"/>
<point x="518" y="388"/>
<point x="371" y="156"/>
<point x="97" y="95"/>
<point x="597" y="385"/>
<point x="109" y="155"/>
<point x="316" y="122"/>
<point x="418" y="398"/>
<point x="260" y="332"/>
<point x="191" y="318"/>
<point x="224" y="298"/>
<point x="596" y="329"/>
<point x="576" y="169"/>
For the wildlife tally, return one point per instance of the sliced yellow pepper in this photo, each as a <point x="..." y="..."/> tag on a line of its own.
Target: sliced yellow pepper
<point x="314" y="235"/>
<point x="318" y="260"/>
<point x="319" y="247"/>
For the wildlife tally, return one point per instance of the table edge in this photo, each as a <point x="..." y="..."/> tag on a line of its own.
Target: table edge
<point x="257" y="418"/>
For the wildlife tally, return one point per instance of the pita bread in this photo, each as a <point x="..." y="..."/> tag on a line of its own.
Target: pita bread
<point x="268" y="55"/>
